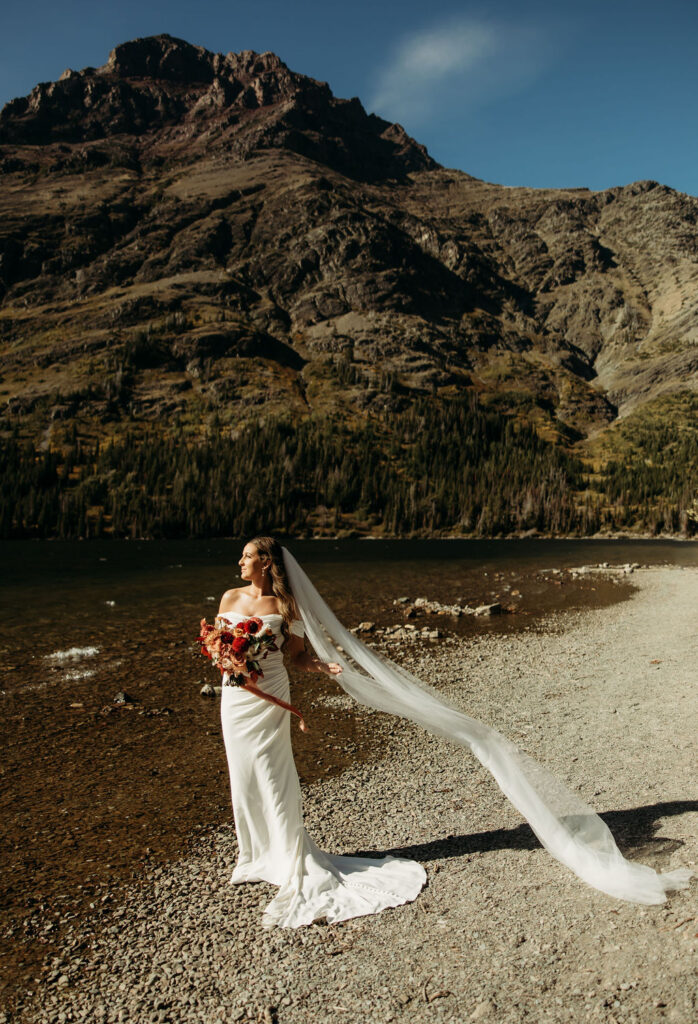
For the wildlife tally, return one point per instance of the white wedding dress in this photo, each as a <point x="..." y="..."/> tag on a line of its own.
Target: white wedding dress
<point x="273" y="845"/>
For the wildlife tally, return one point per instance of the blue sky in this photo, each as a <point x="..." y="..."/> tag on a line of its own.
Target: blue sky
<point x="542" y="94"/>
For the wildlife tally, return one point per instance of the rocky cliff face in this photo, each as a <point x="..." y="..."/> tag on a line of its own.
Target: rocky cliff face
<point x="179" y="100"/>
<point x="215" y="237"/>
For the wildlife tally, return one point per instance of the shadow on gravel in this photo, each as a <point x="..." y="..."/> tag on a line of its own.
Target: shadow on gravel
<point x="633" y="830"/>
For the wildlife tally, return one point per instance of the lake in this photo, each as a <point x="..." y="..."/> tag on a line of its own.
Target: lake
<point x="66" y="586"/>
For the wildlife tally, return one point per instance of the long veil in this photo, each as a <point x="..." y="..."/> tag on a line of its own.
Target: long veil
<point x="565" y="825"/>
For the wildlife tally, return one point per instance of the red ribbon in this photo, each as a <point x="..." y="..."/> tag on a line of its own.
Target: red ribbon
<point x="251" y="688"/>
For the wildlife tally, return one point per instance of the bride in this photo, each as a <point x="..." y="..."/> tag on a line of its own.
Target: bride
<point x="273" y="845"/>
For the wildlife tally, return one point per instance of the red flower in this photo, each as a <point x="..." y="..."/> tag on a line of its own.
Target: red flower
<point x="240" y="644"/>
<point x="253" y="625"/>
<point x="226" y="638"/>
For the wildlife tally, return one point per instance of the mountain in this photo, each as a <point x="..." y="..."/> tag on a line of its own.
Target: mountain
<point x="194" y="242"/>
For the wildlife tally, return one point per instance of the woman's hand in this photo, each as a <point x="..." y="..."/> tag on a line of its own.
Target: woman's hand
<point x="307" y="662"/>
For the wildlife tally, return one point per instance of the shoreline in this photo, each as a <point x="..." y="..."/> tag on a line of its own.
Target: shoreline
<point x="620" y="535"/>
<point x="605" y="698"/>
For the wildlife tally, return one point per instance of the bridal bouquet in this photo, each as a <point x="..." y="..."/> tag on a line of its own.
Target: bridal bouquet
<point x="237" y="650"/>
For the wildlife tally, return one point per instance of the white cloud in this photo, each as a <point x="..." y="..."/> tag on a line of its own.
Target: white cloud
<point x="466" y="59"/>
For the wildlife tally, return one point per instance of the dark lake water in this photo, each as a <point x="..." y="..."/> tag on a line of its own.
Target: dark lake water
<point x="63" y="586"/>
<point x="89" y="791"/>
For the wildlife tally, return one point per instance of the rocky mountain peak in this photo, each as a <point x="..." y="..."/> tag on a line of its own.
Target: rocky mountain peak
<point x="161" y="57"/>
<point x="164" y="58"/>
<point x="183" y="98"/>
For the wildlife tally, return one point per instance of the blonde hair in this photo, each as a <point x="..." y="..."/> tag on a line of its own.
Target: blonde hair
<point x="269" y="547"/>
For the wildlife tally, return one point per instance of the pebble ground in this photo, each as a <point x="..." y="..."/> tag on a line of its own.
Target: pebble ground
<point x="606" y="699"/>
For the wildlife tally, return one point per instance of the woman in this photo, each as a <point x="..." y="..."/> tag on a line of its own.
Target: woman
<point x="266" y="796"/>
<point x="273" y="845"/>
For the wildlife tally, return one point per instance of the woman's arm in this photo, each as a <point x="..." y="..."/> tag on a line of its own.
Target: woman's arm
<point x="295" y="648"/>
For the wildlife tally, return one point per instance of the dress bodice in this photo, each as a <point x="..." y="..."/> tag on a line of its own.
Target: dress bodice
<point x="235" y="618"/>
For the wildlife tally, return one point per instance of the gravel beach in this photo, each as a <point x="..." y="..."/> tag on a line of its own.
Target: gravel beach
<point x="605" y="698"/>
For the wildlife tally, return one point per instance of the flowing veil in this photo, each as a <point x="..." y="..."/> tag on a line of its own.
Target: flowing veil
<point x="565" y="825"/>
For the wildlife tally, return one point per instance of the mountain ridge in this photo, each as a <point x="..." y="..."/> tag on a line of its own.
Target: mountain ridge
<point x="208" y="238"/>
<point x="161" y="82"/>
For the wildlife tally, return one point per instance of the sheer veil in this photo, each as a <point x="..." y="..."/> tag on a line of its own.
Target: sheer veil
<point x="565" y="825"/>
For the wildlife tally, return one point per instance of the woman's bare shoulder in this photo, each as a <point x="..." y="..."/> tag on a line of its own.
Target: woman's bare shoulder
<point x="237" y="600"/>
<point x="231" y="598"/>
